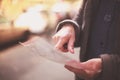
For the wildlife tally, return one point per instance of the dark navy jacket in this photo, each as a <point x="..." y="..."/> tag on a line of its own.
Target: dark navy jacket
<point x="103" y="42"/>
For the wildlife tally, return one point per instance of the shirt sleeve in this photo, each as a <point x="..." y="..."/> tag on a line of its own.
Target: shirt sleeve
<point x="110" y="67"/>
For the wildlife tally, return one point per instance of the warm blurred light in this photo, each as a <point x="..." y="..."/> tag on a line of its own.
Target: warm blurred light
<point x="12" y="8"/>
<point x="61" y="7"/>
<point x="13" y="11"/>
<point x="33" y="19"/>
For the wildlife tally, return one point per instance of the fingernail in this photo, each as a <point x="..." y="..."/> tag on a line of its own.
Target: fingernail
<point x="72" y="50"/>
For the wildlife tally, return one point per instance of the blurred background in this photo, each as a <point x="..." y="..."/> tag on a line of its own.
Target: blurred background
<point x="21" y="20"/>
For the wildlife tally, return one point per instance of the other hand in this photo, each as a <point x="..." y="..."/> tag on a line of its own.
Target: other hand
<point x="86" y="70"/>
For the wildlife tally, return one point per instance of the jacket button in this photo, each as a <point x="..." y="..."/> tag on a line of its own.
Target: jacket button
<point x="107" y="18"/>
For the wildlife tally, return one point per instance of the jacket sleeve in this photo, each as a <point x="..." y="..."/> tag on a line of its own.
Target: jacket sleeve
<point x="76" y="22"/>
<point x="110" y="67"/>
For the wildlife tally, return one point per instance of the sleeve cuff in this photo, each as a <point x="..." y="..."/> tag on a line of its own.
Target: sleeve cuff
<point x="107" y="68"/>
<point x="72" y="22"/>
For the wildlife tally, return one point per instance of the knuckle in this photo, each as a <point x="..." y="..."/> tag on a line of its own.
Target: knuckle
<point x="64" y="37"/>
<point x="53" y="37"/>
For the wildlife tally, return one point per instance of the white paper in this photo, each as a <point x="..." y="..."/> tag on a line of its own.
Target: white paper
<point x="43" y="48"/>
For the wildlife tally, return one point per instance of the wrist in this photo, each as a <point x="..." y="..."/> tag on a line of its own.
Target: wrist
<point x="99" y="65"/>
<point x="68" y="26"/>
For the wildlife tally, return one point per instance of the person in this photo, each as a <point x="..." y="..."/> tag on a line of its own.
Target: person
<point x="95" y="30"/>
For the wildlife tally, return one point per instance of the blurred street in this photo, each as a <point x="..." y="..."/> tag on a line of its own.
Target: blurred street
<point x="17" y="63"/>
<point x="21" y="20"/>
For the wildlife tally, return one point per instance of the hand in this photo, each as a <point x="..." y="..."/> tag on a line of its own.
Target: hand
<point x="86" y="70"/>
<point x="66" y="35"/>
